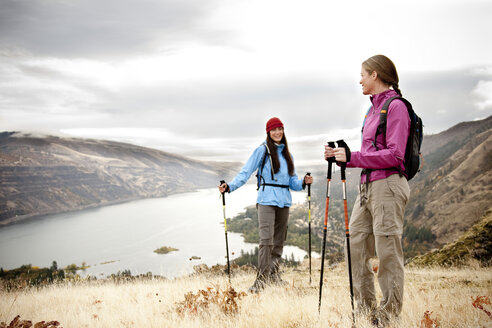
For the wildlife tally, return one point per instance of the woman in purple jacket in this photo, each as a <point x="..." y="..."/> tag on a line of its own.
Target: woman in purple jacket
<point x="376" y="224"/>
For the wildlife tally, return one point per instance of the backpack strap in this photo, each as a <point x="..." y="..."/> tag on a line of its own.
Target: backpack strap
<point x="383" y="118"/>
<point x="274" y="185"/>
<point x="271" y="163"/>
<point x="260" y="171"/>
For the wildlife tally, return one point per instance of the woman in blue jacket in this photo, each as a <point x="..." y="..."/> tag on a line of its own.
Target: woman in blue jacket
<point x="276" y="176"/>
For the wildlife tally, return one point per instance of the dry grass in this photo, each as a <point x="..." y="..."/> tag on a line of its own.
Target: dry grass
<point x="442" y="297"/>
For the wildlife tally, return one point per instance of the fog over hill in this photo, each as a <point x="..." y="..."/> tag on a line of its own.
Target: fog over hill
<point x="42" y="175"/>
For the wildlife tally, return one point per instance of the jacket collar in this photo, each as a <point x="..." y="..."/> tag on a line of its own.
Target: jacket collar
<point x="379" y="99"/>
<point x="280" y="147"/>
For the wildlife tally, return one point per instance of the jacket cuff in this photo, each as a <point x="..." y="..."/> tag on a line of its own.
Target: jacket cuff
<point x="354" y="159"/>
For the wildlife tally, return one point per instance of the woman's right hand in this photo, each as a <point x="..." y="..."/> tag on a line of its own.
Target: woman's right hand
<point x="339" y="154"/>
<point x="223" y="187"/>
<point x="329" y="152"/>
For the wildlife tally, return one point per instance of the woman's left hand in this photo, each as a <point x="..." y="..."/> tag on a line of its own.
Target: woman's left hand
<point x="340" y="155"/>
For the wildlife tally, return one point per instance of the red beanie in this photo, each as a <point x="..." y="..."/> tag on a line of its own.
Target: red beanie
<point x="273" y="123"/>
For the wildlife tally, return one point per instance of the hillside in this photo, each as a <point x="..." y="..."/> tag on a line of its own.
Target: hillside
<point x="454" y="189"/>
<point x="42" y="175"/>
<point x="473" y="247"/>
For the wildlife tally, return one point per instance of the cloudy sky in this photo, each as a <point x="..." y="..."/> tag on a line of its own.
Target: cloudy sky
<point x="201" y="78"/>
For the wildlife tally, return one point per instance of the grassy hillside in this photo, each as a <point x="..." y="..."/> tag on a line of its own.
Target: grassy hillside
<point x="442" y="296"/>
<point x="474" y="246"/>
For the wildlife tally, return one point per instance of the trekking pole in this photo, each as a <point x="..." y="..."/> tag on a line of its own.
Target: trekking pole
<point x="342" y="144"/>
<point x="328" y="180"/>
<point x="309" y="216"/>
<point x="225" y="228"/>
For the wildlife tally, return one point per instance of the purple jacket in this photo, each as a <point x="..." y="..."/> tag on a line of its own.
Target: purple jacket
<point x="391" y="146"/>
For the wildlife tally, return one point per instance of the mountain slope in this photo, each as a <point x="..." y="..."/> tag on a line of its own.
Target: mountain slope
<point x="454" y="188"/>
<point x="475" y="244"/>
<point x="45" y="175"/>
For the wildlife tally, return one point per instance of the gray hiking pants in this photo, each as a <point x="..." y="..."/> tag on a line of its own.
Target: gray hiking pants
<point x="272" y="222"/>
<point x="377" y="227"/>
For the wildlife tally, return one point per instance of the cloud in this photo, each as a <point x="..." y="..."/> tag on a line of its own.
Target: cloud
<point x="201" y="78"/>
<point x="483" y="90"/>
<point x="446" y="98"/>
<point x="90" y="28"/>
<point x="224" y="120"/>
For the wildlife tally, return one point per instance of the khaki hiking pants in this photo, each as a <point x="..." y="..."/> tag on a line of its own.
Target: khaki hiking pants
<point x="376" y="227"/>
<point x="272" y="222"/>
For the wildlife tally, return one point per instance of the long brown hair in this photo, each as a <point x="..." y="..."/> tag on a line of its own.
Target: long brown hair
<point x="385" y="68"/>
<point x="285" y="152"/>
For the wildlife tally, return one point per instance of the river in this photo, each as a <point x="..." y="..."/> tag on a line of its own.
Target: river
<point x="124" y="236"/>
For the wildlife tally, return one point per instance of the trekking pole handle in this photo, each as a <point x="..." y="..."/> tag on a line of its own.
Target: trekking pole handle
<point x="341" y="144"/>
<point x="309" y="185"/>
<point x="331" y="144"/>
<point x="223" y="194"/>
<point x="330" y="160"/>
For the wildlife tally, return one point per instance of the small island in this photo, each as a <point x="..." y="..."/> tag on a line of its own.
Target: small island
<point x="165" y="250"/>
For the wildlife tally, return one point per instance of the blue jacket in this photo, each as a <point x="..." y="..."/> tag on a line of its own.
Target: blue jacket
<point x="269" y="195"/>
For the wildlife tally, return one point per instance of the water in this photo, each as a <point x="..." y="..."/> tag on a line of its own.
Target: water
<point x="123" y="237"/>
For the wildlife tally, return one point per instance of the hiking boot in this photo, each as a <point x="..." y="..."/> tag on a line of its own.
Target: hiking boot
<point x="277" y="280"/>
<point x="376" y="323"/>
<point x="257" y="287"/>
<point x="379" y="319"/>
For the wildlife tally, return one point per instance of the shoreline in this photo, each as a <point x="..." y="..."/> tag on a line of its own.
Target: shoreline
<point x="46" y="227"/>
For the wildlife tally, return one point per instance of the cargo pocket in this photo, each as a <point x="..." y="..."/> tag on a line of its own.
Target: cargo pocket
<point x="399" y="187"/>
<point x="388" y="218"/>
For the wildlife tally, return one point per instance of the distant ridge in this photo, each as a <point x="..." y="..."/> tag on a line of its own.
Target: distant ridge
<point x="456" y="134"/>
<point x="42" y="175"/>
<point x="454" y="189"/>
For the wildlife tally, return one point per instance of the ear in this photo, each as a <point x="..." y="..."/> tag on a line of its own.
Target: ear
<point x="374" y="75"/>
